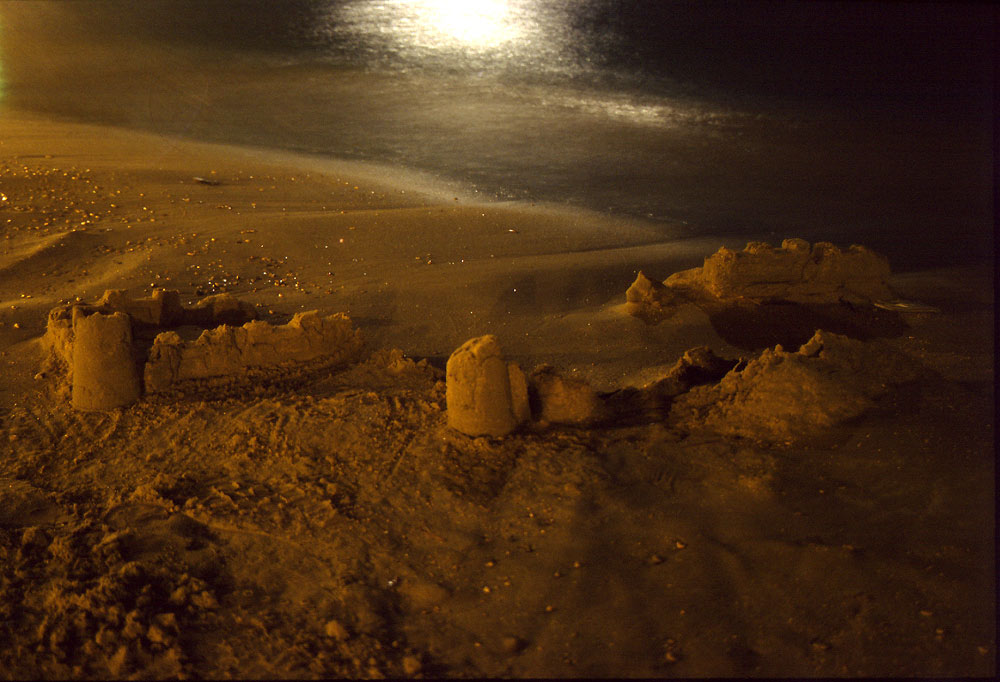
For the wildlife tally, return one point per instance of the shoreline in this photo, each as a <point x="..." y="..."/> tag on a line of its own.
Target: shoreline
<point x="421" y="265"/>
<point x="508" y="264"/>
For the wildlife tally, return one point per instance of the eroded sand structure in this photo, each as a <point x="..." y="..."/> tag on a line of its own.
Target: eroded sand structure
<point x="120" y="347"/>
<point x="230" y="351"/>
<point x="783" y="396"/>
<point x="796" y="272"/>
<point x="778" y="396"/>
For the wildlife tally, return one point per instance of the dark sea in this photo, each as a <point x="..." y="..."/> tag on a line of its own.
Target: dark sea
<point x="852" y="122"/>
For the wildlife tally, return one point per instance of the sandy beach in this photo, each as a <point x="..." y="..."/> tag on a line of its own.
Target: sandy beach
<point x="331" y="524"/>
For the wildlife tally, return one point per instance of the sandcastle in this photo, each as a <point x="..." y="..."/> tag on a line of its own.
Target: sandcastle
<point x="487" y="396"/>
<point x="104" y="369"/>
<point x="781" y="396"/>
<point x="115" y="350"/>
<point x="795" y="272"/>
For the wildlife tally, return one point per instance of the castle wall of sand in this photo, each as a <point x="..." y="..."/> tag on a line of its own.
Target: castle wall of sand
<point x="795" y="272"/>
<point x="96" y="348"/>
<point x="231" y="351"/>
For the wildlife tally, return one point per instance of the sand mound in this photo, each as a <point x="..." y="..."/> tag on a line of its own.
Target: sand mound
<point x="649" y="300"/>
<point x="562" y="400"/>
<point x="782" y="396"/>
<point x="652" y="402"/>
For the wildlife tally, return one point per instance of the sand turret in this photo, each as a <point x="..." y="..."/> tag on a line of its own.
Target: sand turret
<point x="104" y="373"/>
<point x="486" y="395"/>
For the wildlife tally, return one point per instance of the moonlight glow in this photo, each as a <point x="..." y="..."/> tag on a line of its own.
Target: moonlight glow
<point x="480" y="23"/>
<point x="422" y="29"/>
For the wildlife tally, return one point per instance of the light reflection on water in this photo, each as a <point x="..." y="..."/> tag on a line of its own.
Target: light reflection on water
<point x="523" y="37"/>
<point x="503" y="44"/>
<point x="430" y="25"/>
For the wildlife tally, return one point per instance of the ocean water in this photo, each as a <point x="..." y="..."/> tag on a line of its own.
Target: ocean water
<point x="851" y="122"/>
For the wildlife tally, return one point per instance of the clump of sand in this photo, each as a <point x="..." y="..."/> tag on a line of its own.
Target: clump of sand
<point x="783" y="396"/>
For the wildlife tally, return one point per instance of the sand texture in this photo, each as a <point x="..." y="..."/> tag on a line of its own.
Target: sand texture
<point x="716" y="489"/>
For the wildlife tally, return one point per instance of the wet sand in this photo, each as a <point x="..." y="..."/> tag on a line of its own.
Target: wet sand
<point x="332" y="525"/>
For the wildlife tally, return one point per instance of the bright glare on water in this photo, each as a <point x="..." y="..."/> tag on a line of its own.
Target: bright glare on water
<point x="479" y="25"/>
<point x="490" y="36"/>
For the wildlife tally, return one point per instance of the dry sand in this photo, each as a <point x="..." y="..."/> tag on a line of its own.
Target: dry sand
<point x="331" y="525"/>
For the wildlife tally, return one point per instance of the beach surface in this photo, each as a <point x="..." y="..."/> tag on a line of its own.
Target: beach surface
<point x="333" y="525"/>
